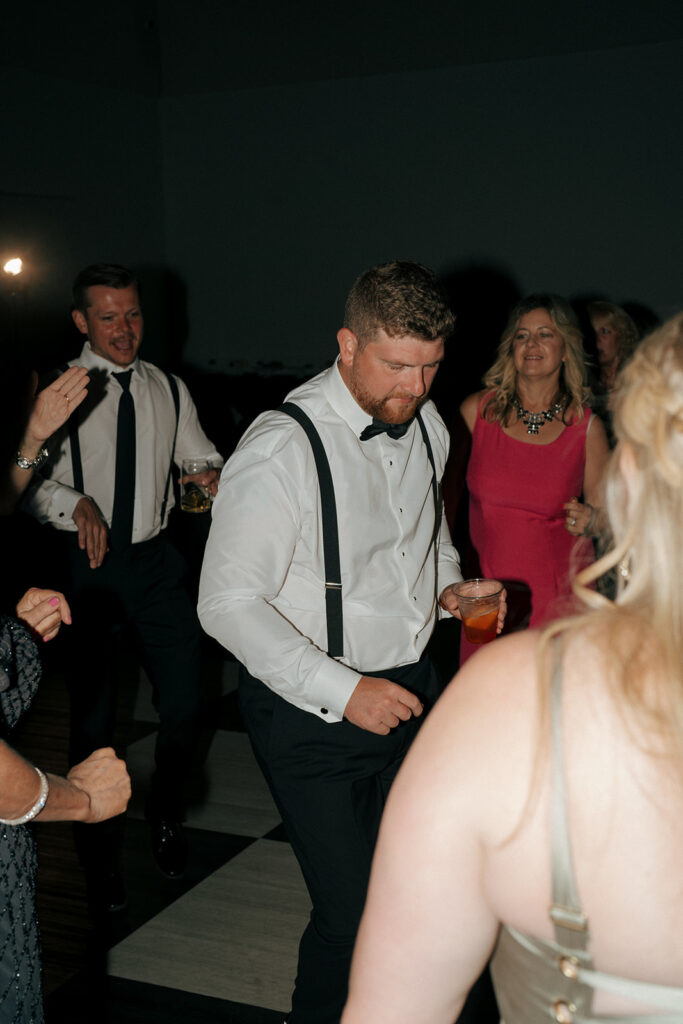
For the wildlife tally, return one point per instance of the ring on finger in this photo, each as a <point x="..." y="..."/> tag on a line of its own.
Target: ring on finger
<point x="572" y="522"/>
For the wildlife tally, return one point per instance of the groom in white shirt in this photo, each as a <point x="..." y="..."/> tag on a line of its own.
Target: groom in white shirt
<point x="330" y="728"/>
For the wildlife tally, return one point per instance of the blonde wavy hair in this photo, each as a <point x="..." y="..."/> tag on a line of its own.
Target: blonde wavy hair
<point x="641" y="631"/>
<point x="501" y="379"/>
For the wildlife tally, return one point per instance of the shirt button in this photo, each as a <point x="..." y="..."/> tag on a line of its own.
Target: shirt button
<point x="324" y="711"/>
<point x="390" y="462"/>
<point x="403" y="554"/>
<point x="61" y="515"/>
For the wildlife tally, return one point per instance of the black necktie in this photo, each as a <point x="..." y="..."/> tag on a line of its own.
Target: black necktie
<point x="394" y="430"/>
<point x="124" y="484"/>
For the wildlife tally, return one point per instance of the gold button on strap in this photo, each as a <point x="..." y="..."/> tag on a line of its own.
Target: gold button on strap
<point x="569" y="966"/>
<point x="564" y="1012"/>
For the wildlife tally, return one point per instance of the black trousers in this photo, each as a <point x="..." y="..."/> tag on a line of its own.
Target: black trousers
<point x="142" y="587"/>
<point x="330" y="783"/>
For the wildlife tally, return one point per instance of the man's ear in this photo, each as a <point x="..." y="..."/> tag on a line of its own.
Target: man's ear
<point x="79" y="320"/>
<point x="348" y="345"/>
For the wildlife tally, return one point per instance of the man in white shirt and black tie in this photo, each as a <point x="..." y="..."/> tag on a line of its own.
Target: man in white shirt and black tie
<point x="335" y="676"/>
<point x="107" y="487"/>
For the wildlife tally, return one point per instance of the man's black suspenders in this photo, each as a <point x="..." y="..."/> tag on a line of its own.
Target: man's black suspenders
<point x="333" y="584"/>
<point x="77" y="462"/>
<point x="176" y="403"/>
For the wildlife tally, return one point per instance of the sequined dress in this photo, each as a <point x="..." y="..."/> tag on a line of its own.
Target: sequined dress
<point x="20" y="975"/>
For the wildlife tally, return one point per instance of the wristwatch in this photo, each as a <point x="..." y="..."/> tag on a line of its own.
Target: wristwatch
<point x="24" y="463"/>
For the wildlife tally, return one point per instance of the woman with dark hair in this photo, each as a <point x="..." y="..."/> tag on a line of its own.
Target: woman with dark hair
<point x="536" y="463"/>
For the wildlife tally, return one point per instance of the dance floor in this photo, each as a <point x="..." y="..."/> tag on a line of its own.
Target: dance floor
<point x="219" y="944"/>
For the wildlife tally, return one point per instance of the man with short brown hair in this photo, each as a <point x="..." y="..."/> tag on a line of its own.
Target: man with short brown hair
<point x="335" y="676"/>
<point x="107" y="489"/>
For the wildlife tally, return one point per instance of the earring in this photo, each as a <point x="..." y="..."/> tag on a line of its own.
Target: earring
<point x="624" y="567"/>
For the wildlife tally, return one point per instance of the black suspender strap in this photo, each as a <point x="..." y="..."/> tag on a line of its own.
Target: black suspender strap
<point x="435" y="486"/>
<point x="333" y="584"/>
<point x="76" y="462"/>
<point x="176" y="402"/>
<point x="75" y="445"/>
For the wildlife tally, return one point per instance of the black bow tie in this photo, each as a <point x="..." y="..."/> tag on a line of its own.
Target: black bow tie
<point x="394" y="430"/>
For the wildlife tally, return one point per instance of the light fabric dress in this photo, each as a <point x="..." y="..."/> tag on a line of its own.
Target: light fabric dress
<point x="537" y="981"/>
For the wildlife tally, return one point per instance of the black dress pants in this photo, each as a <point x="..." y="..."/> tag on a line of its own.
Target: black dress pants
<point x="330" y="783"/>
<point x="143" y="587"/>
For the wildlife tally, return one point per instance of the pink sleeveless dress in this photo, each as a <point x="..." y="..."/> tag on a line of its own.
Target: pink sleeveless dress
<point x="517" y="530"/>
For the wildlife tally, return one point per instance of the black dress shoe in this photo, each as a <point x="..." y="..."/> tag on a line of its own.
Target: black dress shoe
<point x="105" y="892"/>
<point x="169" y="847"/>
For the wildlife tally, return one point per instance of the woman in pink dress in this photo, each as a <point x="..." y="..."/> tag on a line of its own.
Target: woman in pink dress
<point x="536" y="465"/>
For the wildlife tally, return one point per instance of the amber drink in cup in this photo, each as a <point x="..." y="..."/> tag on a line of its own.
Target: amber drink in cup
<point x="193" y="496"/>
<point x="478" y="601"/>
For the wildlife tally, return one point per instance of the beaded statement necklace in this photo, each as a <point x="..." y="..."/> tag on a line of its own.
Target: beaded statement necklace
<point x="534" y="420"/>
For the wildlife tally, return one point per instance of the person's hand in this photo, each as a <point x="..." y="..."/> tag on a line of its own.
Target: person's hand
<point x="378" y="705"/>
<point x="52" y="407"/>
<point x="105" y="780"/>
<point x="448" y="600"/>
<point x="92" y="531"/>
<point x="578" y="517"/>
<point x="44" y="611"/>
<point x="208" y="480"/>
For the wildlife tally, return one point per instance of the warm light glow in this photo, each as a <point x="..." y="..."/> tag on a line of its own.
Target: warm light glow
<point x="13" y="266"/>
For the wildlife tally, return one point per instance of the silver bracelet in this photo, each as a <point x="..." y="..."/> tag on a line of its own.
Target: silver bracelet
<point x="24" y="463"/>
<point x="38" y="805"/>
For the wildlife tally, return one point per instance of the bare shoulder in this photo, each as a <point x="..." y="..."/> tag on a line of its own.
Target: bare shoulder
<point x="493" y="694"/>
<point x="480" y="738"/>
<point x="470" y="407"/>
<point x="596" y="436"/>
<point x="504" y="666"/>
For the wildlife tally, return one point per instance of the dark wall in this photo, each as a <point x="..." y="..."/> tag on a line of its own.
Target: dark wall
<point x="249" y="213"/>
<point x="80" y="182"/>
<point x="558" y="173"/>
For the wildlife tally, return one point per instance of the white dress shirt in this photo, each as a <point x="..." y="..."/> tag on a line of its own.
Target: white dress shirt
<point x="52" y="498"/>
<point x="262" y="590"/>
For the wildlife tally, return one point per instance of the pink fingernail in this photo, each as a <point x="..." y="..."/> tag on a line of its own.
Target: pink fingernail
<point x="54" y="601"/>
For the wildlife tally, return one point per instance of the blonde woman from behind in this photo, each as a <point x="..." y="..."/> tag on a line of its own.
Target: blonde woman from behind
<point x="539" y="815"/>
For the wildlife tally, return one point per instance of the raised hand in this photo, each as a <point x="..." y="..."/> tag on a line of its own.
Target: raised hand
<point x="52" y="407"/>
